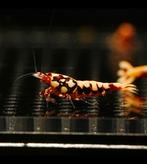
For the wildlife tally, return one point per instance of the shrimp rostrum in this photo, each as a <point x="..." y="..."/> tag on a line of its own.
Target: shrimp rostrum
<point x="69" y="88"/>
<point x="128" y="74"/>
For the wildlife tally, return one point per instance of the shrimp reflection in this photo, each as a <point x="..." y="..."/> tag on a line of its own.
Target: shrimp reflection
<point x="133" y="105"/>
<point x="128" y="74"/>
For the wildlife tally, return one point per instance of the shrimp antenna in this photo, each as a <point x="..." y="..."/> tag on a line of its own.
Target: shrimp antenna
<point x="24" y="75"/>
<point x="30" y="73"/>
<point x="35" y="64"/>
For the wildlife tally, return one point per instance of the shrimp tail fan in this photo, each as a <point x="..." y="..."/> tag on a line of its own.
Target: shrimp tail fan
<point x="129" y="89"/>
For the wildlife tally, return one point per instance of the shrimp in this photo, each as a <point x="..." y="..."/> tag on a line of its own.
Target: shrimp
<point x="64" y="86"/>
<point x="128" y="74"/>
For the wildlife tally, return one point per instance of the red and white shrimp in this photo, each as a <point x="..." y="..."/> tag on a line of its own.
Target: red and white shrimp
<point x="128" y="74"/>
<point x="67" y="87"/>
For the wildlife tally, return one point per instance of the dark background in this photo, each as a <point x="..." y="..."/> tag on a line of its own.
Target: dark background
<point x="72" y="17"/>
<point x="52" y="35"/>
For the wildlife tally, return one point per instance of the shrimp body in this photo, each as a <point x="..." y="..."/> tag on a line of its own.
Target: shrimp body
<point x="69" y="88"/>
<point x="127" y="73"/>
